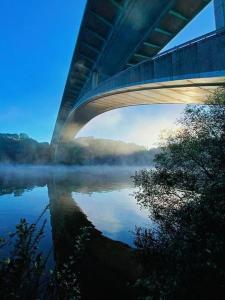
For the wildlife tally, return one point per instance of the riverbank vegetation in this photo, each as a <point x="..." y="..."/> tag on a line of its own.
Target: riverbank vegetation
<point x="87" y="265"/>
<point x="24" y="271"/>
<point x="21" y="149"/>
<point x="184" y="254"/>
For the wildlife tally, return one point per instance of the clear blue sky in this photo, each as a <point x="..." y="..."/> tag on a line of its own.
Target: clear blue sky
<point x="36" y="46"/>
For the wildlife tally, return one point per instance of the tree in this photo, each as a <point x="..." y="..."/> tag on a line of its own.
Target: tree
<point x="184" y="253"/>
<point x="20" y="148"/>
<point x="24" y="274"/>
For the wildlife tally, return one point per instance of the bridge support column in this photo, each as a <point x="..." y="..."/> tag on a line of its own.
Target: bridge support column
<point x="219" y="8"/>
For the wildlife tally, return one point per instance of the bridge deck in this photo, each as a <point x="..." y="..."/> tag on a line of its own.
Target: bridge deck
<point x="185" y="74"/>
<point x="117" y="34"/>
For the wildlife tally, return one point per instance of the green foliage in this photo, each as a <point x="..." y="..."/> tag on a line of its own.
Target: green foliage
<point x="21" y="272"/>
<point x="24" y="274"/>
<point x="183" y="254"/>
<point x="91" y="151"/>
<point x="64" y="281"/>
<point x="20" y="148"/>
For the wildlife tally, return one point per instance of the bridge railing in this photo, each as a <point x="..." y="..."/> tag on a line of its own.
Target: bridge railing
<point x="191" y="42"/>
<point x="163" y="65"/>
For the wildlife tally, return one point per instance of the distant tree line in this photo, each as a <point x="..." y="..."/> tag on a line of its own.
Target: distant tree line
<point x="91" y="151"/>
<point x="182" y="255"/>
<point x="21" y="149"/>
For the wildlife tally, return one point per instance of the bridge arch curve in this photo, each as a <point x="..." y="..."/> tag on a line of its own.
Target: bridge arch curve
<point x="184" y="74"/>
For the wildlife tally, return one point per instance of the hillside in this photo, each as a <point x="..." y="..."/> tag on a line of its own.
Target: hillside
<point x="92" y="151"/>
<point x="21" y="149"/>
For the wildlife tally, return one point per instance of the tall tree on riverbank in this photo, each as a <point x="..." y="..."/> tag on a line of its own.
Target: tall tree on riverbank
<point x="184" y="254"/>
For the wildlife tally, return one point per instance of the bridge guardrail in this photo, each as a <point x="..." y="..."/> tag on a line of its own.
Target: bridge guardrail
<point x="193" y="41"/>
<point x="130" y="73"/>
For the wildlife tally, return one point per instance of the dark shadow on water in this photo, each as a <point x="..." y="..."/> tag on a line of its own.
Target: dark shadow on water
<point x="108" y="266"/>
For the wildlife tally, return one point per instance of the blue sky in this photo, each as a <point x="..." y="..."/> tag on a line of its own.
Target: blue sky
<point x="36" y="46"/>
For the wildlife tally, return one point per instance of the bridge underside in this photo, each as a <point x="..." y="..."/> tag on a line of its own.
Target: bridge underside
<point x="185" y="74"/>
<point x="190" y="91"/>
<point x="116" y="35"/>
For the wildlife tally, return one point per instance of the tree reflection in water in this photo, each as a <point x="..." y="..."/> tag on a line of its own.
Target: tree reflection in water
<point x="106" y="267"/>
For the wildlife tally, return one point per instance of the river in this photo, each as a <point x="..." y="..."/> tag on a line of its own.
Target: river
<point x="75" y="197"/>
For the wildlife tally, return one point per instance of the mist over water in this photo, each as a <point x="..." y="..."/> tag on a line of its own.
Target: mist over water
<point x="102" y="196"/>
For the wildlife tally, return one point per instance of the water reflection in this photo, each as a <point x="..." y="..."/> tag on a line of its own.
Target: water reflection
<point x="107" y="261"/>
<point x="103" y="194"/>
<point x="95" y="198"/>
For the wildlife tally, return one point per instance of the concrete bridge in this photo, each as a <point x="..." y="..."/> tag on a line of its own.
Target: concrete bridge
<point x="116" y="61"/>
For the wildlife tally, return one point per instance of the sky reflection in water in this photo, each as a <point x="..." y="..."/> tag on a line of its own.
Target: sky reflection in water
<point x="114" y="213"/>
<point x="104" y="195"/>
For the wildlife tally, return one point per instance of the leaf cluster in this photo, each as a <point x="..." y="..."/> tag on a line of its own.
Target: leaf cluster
<point x="184" y="253"/>
<point x="24" y="274"/>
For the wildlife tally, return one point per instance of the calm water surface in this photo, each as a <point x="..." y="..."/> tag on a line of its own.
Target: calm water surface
<point x="102" y="194"/>
<point x="98" y="198"/>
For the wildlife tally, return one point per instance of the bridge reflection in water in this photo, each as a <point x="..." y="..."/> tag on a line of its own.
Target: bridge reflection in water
<point x="108" y="265"/>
